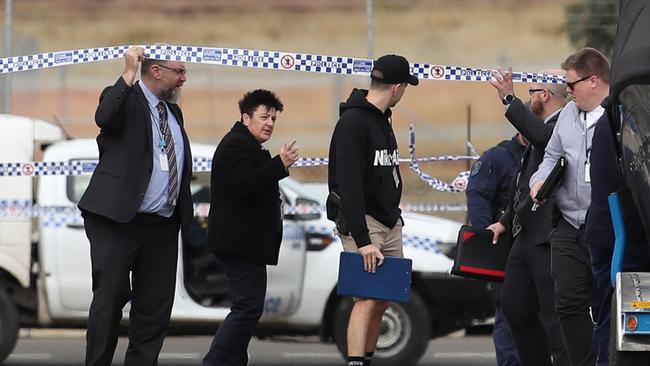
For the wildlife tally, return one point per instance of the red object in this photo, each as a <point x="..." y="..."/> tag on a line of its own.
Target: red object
<point x="482" y="271"/>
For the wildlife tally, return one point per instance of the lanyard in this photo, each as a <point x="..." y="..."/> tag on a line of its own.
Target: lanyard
<point x="162" y="144"/>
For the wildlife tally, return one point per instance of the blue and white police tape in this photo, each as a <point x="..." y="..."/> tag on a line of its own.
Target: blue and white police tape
<point x="272" y="60"/>
<point x="67" y="215"/>
<point x="200" y="164"/>
<point x="56" y="216"/>
<point x="472" y="149"/>
<point x="459" y="184"/>
<point x="433" y="207"/>
<point x="79" y="167"/>
<point x="416" y="241"/>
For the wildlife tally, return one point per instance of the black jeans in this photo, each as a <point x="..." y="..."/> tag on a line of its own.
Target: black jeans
<point x="529" y="305"/>
<point x="146" y="247"/>
<point x="247" y="286"/>
<point x="571" y="268"/>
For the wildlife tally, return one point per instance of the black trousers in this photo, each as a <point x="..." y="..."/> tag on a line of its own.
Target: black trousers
<point x="147" y="248"/>
<point x="247" y="286"/>
<point x="529" y="305"/>
<point x="571" y="268"/>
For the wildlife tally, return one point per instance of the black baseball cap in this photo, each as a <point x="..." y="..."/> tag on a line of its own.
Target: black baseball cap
<point x="392" y="69"/>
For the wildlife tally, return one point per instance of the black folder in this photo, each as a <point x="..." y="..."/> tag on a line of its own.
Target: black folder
<point x="552" y="181"/>
<point x="477" y="257"/>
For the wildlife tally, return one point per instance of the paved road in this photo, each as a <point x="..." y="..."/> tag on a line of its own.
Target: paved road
<point x="57" y="348"/>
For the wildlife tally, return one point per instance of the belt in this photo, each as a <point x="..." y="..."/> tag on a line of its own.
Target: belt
<point x="149" y="218"/>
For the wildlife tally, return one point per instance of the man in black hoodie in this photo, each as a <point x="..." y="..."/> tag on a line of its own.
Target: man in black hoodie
<point x="364" y="172"/>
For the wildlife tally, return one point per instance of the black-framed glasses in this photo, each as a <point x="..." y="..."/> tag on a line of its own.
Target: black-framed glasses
<point x="572" y="84"/>
<point x="533" y="91"/>
<point x="178" y="71"/>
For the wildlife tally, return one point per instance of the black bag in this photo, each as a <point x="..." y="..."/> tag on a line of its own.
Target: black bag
<point x="334" y="208"/>
<point x="477" y="257"/>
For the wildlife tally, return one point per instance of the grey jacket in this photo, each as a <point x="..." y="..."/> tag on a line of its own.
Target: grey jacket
<point x="569" y="139"/>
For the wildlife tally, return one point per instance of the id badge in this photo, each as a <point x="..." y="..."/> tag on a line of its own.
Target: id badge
<point x="164" y="165"/>
<point x="587" y="173"/>
<point x="396" y="177"/>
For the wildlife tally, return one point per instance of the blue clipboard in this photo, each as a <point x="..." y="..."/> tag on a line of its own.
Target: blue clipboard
<point x="391" y="281"/>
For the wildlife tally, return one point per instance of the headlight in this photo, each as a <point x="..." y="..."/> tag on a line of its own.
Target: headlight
<point x="317" y="242"/>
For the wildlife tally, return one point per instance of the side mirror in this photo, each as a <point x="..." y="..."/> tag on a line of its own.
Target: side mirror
<point x="304" y="209"/>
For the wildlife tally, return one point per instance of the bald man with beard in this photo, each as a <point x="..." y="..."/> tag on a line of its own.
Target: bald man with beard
<point x="528" y="297"/>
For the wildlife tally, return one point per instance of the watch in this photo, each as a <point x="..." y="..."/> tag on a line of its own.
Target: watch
<point x="509" y="98"/>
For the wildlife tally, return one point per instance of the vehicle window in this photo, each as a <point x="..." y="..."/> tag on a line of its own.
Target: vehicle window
<point x="200" y="187"/>
<point x="298" y="188"/>
<point x="76" y="186"/>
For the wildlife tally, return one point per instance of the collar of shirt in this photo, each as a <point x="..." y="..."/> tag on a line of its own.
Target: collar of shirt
<point x="593" y="115"/>
<point x="552" y="115"/>
<point x="152" y="99"/>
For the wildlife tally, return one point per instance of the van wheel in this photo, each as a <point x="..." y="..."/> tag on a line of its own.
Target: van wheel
<point x="623" y="358"/>
<point x="404" y="335"/>
<point x="9" y="324"/>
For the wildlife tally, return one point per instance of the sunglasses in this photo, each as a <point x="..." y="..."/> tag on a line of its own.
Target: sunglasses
<point x="178" y="71"/>
<point x="572" y="84"/>
<point x="533" y="91"/>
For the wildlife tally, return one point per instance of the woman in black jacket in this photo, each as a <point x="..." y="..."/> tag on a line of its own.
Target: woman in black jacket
<point x="245" y="223"/>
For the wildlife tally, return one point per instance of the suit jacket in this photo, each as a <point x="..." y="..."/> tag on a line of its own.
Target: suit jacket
<point x="535" y="225"/>
<point x="245" y="219"/>
<point x="120" y="180"/>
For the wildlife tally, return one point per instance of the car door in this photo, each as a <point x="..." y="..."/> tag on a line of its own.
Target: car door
<point x="64" y="250"/>
<point x="285" y="280"/>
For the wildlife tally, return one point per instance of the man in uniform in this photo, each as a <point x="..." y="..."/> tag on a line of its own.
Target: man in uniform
<point x="487" y="197"/>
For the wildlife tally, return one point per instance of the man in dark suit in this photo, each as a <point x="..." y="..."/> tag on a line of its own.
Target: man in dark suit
<point x="527" y="295"/>
<point x="138" y="197"/>
<point x="245" y="223"/>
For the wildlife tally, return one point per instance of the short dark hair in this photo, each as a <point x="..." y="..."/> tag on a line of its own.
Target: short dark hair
<point x="588" y="61"/>
<point x="378" y="85"/>
<point x="146" y="64"/>
<point x="253" y="99"/>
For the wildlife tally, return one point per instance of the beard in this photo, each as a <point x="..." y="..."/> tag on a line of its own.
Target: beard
<point x="172" y="95"/>
<point x="537" y="107"/>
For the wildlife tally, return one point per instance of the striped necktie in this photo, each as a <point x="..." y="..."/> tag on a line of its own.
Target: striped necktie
<point x="172" y="183"/>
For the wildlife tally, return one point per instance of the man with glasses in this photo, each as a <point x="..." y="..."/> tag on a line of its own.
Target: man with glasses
<point x="587" y="79"/>
<point x="137" y="199"/>
<point x="527" y="296"/>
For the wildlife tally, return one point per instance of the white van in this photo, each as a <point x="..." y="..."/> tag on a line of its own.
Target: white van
<point x="45" y="276"/>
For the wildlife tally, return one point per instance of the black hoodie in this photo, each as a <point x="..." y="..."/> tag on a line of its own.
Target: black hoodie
<point x="364" y="166"/>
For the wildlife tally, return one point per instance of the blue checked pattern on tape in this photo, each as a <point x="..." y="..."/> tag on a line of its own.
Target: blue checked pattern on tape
<point x="420" y="242"/>
<point x="271" y="60"/>
<point x="204" y="164"/>
<point x="79" y="167"/>
<point x="433" y="207"/>
<point x="57" y="216"/>
<point x="459" y="184"/>
<point x="293" y="232"/>
<point x="200" y="164"/>
<point x="415" y="241"/>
